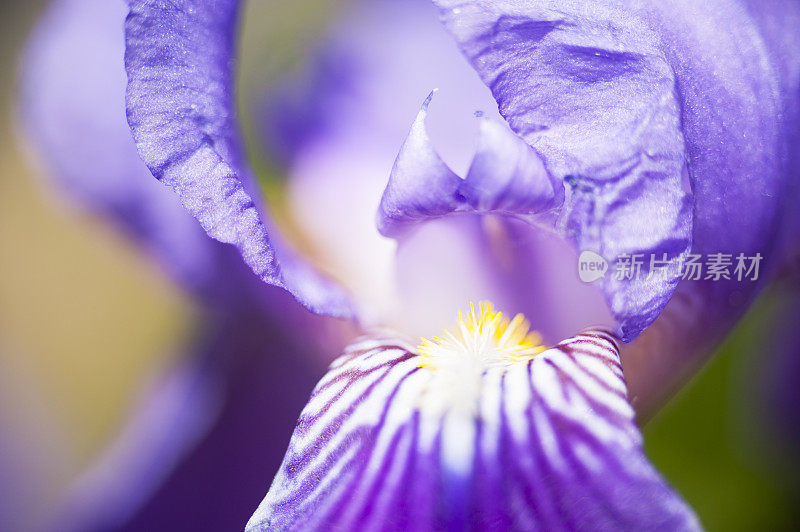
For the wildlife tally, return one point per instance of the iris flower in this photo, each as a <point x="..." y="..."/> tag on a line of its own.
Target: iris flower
<point x="655" y="129"/>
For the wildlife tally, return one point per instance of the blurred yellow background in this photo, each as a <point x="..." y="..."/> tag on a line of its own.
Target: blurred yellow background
<point x="84" y="318"/>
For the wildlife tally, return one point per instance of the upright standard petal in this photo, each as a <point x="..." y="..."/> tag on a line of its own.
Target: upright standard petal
<point x="481" y="430"/>
<point x="363" y="85"/>
<point x="180" y="59"/>
<point x="217" y="484"/>
<point x="596" y="99"/>
<point x="633" y="103"/>
<point x="72" y="99"/>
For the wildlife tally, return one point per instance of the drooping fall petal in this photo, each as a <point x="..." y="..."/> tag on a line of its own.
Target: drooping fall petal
<point x="393" y="439"/>
<point x="73" y="112"/>
<point x="173" y="413"/>
<point x="190" y="456"/>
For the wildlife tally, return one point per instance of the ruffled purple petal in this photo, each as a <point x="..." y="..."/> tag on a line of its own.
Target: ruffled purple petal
<point x="603" y="116"/>
<point x="776" y="21"/>
<point x="739" y="73"/>
<point x="73" y="110"/>
<point x="180" y="59"/>
<point x="628" y="102"/>
<point x="552" y="445"/>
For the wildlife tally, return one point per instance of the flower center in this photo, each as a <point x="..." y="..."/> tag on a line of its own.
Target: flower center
<point x="485" y="337"/>
<point x="483" y="340"/>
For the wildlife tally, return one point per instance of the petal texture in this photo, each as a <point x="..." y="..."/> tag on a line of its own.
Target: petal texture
<point x="592" y="92"/>
<point x="550" y="444"/>
<point x="633" y="102"/>
<point x="180" y="59"/>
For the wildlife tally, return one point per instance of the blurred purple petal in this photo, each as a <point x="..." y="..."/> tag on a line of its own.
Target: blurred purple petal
<point x="180" y="59"/>
<point x="31" y="446"/>
<point x="217" y="485"/>
<point x="550" y="444"/>
<point x="191" y="457"/>
<point x="173" y="413"/>
<point x="779" y="383"/>
<point x="73" y="98"/>
<point x="73" y="110"/>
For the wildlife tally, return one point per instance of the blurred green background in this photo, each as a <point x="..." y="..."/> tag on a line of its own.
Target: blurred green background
<point x="84" y="320"/>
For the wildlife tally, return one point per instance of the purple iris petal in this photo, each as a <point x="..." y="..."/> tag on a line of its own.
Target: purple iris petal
<point x="73" y="109"/>
<point x="180" y="59"/>
<point x="602" y="112"/>
<point x="505" y="177"/>
<point x="363" y="83"/>
<point x="626" y="101"/>
<point x="780" y="367"/>
<point x="421" y="185"/>
<point x="777" y="20"/>
<point x="30" y="448"/>
<point x="551" y="444"/>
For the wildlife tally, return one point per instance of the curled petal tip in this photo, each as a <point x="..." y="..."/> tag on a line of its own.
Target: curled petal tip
<point x="426" y="104"/>
<point x="420" y="184"/>
<point x="505" y="176"/>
